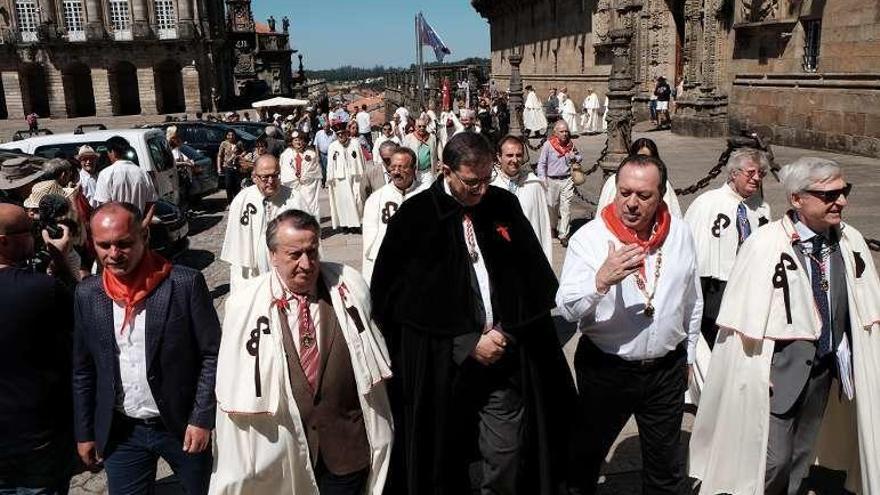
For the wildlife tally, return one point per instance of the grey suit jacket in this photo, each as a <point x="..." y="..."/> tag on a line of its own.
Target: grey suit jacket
<point x="374" y="179"/>
<point x="793" y="361"/>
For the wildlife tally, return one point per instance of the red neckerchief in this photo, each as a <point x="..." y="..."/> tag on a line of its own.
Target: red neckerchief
<point x="561" y="149"/>
<point x="625" y="235"/>
<point x="151" y="271"/>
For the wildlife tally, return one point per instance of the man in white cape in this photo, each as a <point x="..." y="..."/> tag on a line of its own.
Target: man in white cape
<point x="301" y="171"/>
<point x="301" y="377"/>
<point x="528" y="188"/>
<point x="345" y="168"/>
<point x="794" y="378"/>
<point x="244" y="246"/>
<point x="569" y="114"/>
<point x="591" y="107"/>
<point x="384" y="203"/>
<point x="720" y="221"/>
<point x="534" y="119"/>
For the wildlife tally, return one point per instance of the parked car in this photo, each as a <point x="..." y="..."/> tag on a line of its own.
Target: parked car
<point x="169" y="229"/>
<point x="150" y="151"/>
<point x="253" y="128"/>
<point x="200" y="179"/>
<point x="206" y="136"/>
<point x="26" y="133"/>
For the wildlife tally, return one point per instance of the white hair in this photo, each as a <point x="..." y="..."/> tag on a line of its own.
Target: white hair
<point x="560" y="124"/>
<point x="467" y="112"/>
<point x="270" y="130"/>
<point x="802" y="173"/>
<point x="743" y="156"/>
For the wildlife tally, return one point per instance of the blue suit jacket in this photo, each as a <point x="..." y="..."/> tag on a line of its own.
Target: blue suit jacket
<point x="182" y="338"/>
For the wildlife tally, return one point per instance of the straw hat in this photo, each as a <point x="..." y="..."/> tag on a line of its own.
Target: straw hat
<point x="18" y="171"/>
<point x="85" y="150"/>
<point x="41" y="190"/>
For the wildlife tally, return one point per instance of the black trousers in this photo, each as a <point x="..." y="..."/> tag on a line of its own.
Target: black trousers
<point x="340" y="484"/>
<point x="610" y="390"/>
<point x="713" y="290"/>
<point x="232" y="183"/>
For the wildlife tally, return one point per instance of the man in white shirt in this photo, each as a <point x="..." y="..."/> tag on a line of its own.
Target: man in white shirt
<point x="123" y="181"/>
<point x="365" y="129"/>
<point x="387" y="134"/>
<point x="528" y="188"/>
<point x="250" y="212"/>
<point x="630" y="282"/>
<point x="345" y="170"/>
<point x="384" y="203"/>
<point x="323" y="138"/>
<point x="88" y="178"/>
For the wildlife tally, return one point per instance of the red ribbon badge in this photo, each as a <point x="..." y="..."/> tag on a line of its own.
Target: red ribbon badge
<point x="503" y="232"/>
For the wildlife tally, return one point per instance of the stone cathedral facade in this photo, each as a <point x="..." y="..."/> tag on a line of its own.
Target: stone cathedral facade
<point x="806" y="72"/>
<point x="77" y="58"/>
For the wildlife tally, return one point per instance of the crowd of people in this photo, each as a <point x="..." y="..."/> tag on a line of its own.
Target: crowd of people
<point x="441" y="352"/>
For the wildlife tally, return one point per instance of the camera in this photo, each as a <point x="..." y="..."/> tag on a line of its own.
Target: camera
<point x="53" y="211"/>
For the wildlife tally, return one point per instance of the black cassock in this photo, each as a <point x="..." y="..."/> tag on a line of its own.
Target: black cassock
<point x="426" y="305"/>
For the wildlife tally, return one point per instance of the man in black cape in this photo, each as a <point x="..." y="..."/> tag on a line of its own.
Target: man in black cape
<point x="462" y="292"/>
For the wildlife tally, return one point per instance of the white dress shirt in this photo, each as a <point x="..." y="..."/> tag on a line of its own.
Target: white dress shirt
<point x="615" y="321"/>
<point x="480" y="269"/>
<point x="88" y="183"/>
<point x="127" y="183"/>
<point x="136" y="399"/>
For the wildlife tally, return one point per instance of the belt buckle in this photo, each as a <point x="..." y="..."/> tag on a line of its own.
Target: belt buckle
<point x="648" y="362"/>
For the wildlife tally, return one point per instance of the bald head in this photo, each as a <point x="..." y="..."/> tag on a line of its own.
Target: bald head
<point x="266" y="173"/>
<point x="16" y="242"/>
<point x="12" y="218"/>
<point x="120" y="237"/>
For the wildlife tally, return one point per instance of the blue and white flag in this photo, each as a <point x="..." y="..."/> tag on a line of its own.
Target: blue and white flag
<point x="427" y="36"/>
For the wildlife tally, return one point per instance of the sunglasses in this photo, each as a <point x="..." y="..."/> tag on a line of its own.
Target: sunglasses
<point x="831" y="195"/>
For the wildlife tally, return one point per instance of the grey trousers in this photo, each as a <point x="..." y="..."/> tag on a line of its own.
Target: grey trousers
<point x="792" y="437"/>
<point x="501" y="425"/>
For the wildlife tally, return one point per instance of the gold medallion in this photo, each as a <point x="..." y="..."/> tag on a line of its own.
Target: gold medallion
<point x="823" y="284"/>
<point x="307" y="341"/>
<point x="649" y="310"/>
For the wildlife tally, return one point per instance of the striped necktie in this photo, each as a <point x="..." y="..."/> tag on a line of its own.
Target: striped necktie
<point x="818" y="272"/>
<point x="742" y="223"/>
<point x="309" y="357"/>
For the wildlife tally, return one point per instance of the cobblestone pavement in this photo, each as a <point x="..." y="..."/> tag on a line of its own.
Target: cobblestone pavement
<point x="688" y="160"/>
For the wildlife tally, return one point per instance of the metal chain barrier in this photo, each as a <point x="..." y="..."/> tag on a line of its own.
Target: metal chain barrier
<point x="747" y="140"/>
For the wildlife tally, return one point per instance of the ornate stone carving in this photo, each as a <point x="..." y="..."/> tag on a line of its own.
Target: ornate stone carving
<point x="758" y="10"/>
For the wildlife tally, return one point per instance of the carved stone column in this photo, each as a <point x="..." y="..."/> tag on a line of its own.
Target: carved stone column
<point x="515" y="100"/>
<point x="620" y="93"/>
<point x="95" y="20"/>
<point x="140" y="25"/>
<point x="186" y="29"/>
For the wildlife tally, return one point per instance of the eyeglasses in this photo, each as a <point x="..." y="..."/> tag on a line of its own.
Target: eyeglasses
<point x="751" y="174"/>
<point x="266" y="177"/>
<point x="474" y="185"/>
<point x="830" y="195"/>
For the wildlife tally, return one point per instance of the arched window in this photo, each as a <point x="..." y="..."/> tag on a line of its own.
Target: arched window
<point x="166" y="19"/>
<point x="27" y="14"/>
<point x="74" y="20"/>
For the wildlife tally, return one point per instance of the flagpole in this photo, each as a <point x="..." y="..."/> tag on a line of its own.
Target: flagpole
<point x="420" y="59"/>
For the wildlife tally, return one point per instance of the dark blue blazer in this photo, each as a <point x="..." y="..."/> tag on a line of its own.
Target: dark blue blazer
<point x="182" y="339"/>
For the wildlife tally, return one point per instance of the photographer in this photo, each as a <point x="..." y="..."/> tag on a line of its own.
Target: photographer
<point x="49" y="210"/>
<point x="36" y="440"/>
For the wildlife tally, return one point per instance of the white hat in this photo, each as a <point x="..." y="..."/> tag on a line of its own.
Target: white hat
<point x="290" y="117"/>
<point x="276" y="116"/>
<point x="85" y="150"/>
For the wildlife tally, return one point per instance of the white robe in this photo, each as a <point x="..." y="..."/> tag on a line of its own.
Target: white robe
<point x="609" y="191"/>
<point x="308" y="184"/>
<point x="378" y="210"/>
<point x="345" y="170"/>
<point x="244" y="246"/>
<point x="728" y="449"/>
<point x="711" y="213"/>
<point x="591" y="107"/>
<point x="570" y="116"/>
<point x="533" y="114"/>
<point x="260" y="445"/>
<point x="533" y="198"/>
<point x="377" y="159"/>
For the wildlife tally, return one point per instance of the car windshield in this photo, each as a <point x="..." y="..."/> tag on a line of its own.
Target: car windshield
<point x="69" y="150"/>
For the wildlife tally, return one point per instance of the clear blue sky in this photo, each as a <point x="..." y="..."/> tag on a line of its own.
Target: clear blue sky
<point x="365" y="33"/>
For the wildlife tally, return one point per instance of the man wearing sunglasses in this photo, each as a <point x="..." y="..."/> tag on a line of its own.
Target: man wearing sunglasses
<point x="720" y="221"/>
<point x="798" y="331"/>
<point x="244" y="246"/>
<point x="462" y="292"/>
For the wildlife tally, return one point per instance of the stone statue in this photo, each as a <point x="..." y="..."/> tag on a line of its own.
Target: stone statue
<point x="285" y="24"/>
<point x="271" y="22"/>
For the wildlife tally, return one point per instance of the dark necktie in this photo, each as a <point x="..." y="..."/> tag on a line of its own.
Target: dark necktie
<point x="819" y="275"/>
<point x="742" y="223"/>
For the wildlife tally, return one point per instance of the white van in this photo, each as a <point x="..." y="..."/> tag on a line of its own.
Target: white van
<point x="152" y="153"/>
